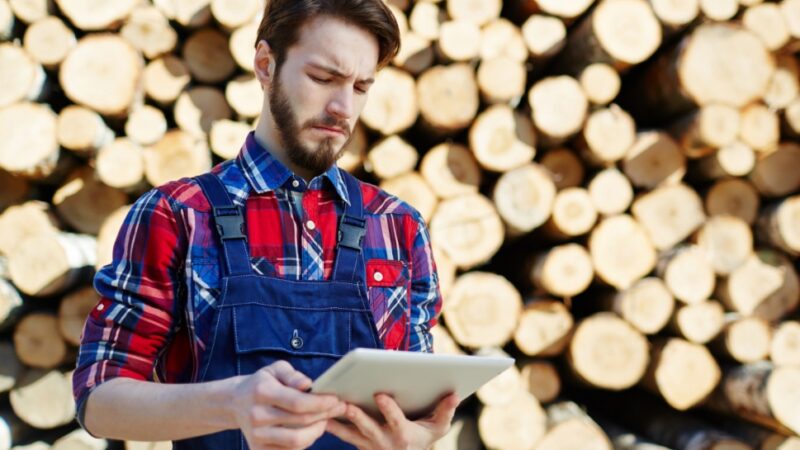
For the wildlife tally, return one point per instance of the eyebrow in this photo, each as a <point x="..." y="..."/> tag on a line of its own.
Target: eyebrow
<point x="337" y="73"/>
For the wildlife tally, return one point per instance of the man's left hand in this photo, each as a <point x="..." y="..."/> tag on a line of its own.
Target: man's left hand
<point x="398" y="432"/>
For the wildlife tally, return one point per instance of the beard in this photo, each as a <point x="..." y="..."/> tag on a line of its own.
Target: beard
<point x="316" y="159"/>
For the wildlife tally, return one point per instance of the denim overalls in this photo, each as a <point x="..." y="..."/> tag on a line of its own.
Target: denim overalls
<point x="261" y="319"/>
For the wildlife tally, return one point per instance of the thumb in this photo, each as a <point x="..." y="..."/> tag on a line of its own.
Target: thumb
<point x="289" y="376"/>
<point x="445" y="410"/>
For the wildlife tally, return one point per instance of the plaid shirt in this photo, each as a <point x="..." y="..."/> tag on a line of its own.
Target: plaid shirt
<point x="153" y="321"/>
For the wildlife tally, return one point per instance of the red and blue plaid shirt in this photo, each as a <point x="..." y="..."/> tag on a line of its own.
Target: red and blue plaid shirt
<point x="158" y="294"/>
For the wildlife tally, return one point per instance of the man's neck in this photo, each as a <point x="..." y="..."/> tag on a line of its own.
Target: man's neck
<point x="267" y="137"/>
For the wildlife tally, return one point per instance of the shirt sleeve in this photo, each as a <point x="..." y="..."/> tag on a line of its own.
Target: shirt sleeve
<point x="426" y="298"/>
<point x="127" y="329"/>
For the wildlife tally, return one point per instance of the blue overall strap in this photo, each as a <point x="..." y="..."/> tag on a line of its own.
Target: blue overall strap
<point x="352" y="228"/>
<point x="229" y="221"/>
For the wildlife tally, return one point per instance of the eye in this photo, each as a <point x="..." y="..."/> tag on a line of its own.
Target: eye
<point x="360" y="90"/>
<point x="319" y="80"/>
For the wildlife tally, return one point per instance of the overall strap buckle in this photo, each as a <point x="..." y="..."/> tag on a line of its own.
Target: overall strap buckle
<point x="229" y="221"/>
<point x="351" y="232"/>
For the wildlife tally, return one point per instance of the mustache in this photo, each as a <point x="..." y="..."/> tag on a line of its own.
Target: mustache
<point x="330" y="122"/>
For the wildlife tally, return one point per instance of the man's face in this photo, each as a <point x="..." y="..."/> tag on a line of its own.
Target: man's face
<point x="318" y="93"/>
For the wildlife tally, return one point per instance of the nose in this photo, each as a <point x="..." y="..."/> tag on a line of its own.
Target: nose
<point x="341" y="104"/>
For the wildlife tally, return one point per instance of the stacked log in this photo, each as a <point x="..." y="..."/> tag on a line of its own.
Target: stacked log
<point x="611" y="186"/>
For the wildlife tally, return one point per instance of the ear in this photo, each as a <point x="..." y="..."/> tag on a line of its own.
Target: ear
<point x="264" y="64"/>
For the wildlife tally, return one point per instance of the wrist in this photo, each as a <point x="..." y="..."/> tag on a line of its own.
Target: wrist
<point x="225" y="399"/>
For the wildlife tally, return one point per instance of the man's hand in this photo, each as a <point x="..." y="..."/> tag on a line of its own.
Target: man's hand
<point x="273" y="411"/>
<point x="398" y="432"/>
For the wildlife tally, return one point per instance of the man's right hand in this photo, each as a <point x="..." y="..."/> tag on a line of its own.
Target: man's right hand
<point x="273" y="410"/>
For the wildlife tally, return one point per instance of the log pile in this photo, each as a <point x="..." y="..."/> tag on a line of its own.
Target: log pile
<point x="612" y="189"/>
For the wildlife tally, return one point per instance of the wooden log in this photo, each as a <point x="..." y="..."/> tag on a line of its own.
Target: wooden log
<point x="19" y="222"/>
<point x="479" y="13"/>
<point x="79" y="439"/>
<point x="198" y="108"/>
<point x="600" y="82"/>
<point x="727" y="242"/>
<point x="397" y="11"/>
<point x="544" y="328"/>
<point x="392" y="157"/>
<point x="245" y="95"/>
<point x="426" y="19"/>
<point x="669" y="214"/>
<point x="681" y="372"/>
<point x="611" y="192"/>
<point x="566" y="9"/>
<point x="468" y="229"/>
<point x="763" y="286"/>
<point x="459" y="41"/>
<point x="355" y="150"/>
<point x="208" y="57"/>
<point x="779" y="225"/>
<point x="108" y="235"/>
<point x="767" y="22"/>
<point x="607" y="135"/>
<point x="559" y="108"/>
<point x="504" y="387"/>
<point x="29" y="11"/>
<point x="443" y="342"/>
<point x="15" y="189"/>
<point x="392" y="103"/>
<point x="502" y="139"/>
<point x="11" y="369"/>
<point x="501" y="38"/>
<point x="501" y="80"/>
<point x="73" y="311"/>
<point x="762" y="394"/>
<point x="624" y="439"/>
<point x="785" y="84"/>
<point x="569" y="426"/>
<point x="595" y="38"/>
<point x="165" y="78"/>
<point x="733" y="160"/>
<point x="48" y="41"/>
<point x="241" y="46"/>
<point x="38" y="445"/>
<point x="544" y="36"/>
<point x="232" y="15"/>
<point x="774" y="174"/>
<point x="719" y="10"/>
<point x="760" y="127"/>
<point x="463" y="434"/>
<point x="607" y="352"/>
<point x="697" y="72"/>
<point x="149" y="32"/>
<point x="83" y="202"/>
<point x="653" y="159"/>
<point x="91" y="17"/>
<point x="226" y="137"/>
<point x="28" y="133"/>
<point x="621" y="251"/>
<point x="50" y="263"/>
<point x="733" y="197"/>
<point x="178" y="154"/>
<point x="120" y="165"/>
<point x="82" y="130"/>
<point x="790" y="10"/>
<point x="758" y="437"/>
<point x="448" y="97"/>
<point x="563" y="271"/>
<point x="25" y="77"/>
<point x="541" y="379"/>
<point x="451" y="170"/>
<point x="446" y="270"/>
<point x="573" y="214"/>
<point x="6" y="20"/>
<point x="188" y="13"/>
<point x="790" y="120"/>
<point x="103" y="73"/>
<point x="515" y="425"/>
<point x="146" y="125"/>
<point x="711" y="126"/>
<point x="699" y="322"/>
<point x="12" y="429"/>
<point x="785" y="345"/>
<point x="43" y="398"/>
<point x="647" y="304"/>
<point x="139" y="445"/>
<point x="743" y="339"/>
<point x="37" y="341"/>
<point x="524" y="198"/>
<point x="412" y="188"/>
<point x="687" y="272"/>
<point x="483" y="310"/>
<point x="416" y="53"/>
<point x="565" y="167"/>
<point x="675" y="15"/>
<point x="10" y="305"/>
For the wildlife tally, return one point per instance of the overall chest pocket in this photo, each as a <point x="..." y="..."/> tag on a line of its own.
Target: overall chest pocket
<point x="388" y="284"/>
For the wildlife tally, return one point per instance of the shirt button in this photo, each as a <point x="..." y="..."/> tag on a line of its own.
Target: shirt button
<point x="100" y="307"/>
<point x="311" y="225"/>
<point x="295" y="183"/>
<point x="377" y="276"/>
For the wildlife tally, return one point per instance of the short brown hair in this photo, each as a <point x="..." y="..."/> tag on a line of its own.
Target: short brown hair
<point x="283" y="19"/>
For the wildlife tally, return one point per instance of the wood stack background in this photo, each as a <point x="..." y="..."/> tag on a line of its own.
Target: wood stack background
<point x="612" y="189"/>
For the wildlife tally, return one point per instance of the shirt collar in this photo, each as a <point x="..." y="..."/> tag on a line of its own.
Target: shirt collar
<point x="265" y="173"/>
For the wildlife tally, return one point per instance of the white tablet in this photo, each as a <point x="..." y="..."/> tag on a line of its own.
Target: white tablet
<point x="417" y="381"/>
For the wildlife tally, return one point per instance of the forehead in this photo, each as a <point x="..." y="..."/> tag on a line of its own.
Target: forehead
<point x="334" y="42"/>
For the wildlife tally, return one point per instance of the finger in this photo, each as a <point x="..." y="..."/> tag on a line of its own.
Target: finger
<point x="445" y="410"/>
<point x="287" y="375"/>
<point x="365" y="424"/>
<point x="297" y="402"/>
<point x="289" y="437"/>
<point x="280" y="417"/>
<point x="347" y="433"/>
<point x="391" y="411"/>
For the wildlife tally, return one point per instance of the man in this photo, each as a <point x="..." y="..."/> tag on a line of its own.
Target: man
<point x="237" y="287"/>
